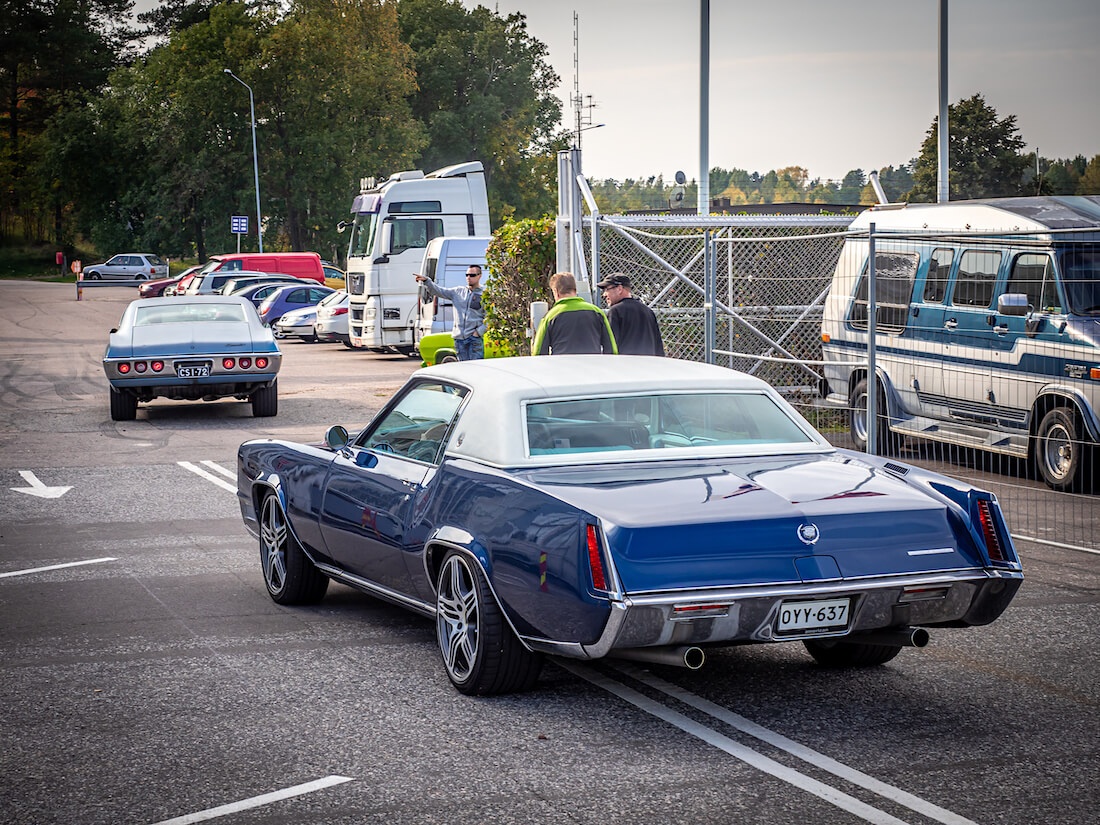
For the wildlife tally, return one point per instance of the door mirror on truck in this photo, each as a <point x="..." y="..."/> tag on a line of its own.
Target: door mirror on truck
<point x="387" y="243"/>
<point x="1013" y="303"/>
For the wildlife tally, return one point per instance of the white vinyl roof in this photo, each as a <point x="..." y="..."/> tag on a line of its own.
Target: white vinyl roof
<point x="1040" y="214"/>
<point x="491" y="427"/>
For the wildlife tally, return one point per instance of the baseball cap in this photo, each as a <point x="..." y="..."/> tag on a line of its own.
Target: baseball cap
<point x="614" y="279"/>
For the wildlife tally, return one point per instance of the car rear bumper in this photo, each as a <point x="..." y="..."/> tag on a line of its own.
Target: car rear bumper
<point x="750" y="615"/>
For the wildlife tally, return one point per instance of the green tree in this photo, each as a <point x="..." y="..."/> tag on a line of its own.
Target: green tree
<point x="1090" y="179"/>
<point x="486" y="92"/>
<point x="522" y="256"/>
<point x="985" y="159"/>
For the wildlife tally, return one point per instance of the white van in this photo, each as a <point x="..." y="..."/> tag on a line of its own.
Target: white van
<point x="988" y="329"/>
<point x="445" y="262"/>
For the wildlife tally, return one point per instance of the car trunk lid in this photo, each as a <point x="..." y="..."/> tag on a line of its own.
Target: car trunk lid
<point x="209" y="338"/>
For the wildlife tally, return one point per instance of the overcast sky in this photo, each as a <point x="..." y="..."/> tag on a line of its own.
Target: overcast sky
<point x="830" y="86"/>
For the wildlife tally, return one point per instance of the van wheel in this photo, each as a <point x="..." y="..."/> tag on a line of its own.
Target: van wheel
<point x="448" y="359"/>
<point x="1060" y="450"/>
<point x="886" y="442"/>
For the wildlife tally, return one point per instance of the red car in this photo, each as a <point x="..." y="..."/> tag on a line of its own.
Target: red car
<point x="156" y="289"/>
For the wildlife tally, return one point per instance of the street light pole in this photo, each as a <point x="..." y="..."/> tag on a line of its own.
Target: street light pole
<point x="255" y="160"/>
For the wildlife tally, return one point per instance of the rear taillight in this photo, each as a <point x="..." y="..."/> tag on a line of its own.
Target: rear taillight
<point x="124" y="368"/>
<point x="157" y="366"/>
<point x="989" y="531"/>
<point x="245" y="363"/>
<point x="261" y="363"/>
<point x="140" y="366"/>
<point x="228" y="363"/>
<point x="595" y="559"/>
<point x="340" y="311"/>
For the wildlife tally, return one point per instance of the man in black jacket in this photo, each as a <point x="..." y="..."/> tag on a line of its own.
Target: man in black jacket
<point x="632" y="322"/>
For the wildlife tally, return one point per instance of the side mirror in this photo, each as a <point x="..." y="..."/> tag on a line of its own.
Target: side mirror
<point x="337" y="437"/>
<point x="340" y="227"/>
<point x="387" y="237"/>
<point x="1013" y="303"/>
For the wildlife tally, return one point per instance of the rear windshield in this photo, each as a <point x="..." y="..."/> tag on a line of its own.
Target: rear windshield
<point x="649" y="422"/>
<point x="189" y="314"/>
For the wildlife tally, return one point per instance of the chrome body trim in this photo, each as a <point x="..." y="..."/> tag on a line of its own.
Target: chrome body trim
<point x="377" y="590"/>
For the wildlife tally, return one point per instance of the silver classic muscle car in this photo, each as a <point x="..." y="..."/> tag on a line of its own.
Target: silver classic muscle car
<point x="191" y="347"/>
<point x="646" y="508"/>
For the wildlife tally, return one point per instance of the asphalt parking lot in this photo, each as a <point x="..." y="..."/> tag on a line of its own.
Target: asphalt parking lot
<point x="146" y="677"/>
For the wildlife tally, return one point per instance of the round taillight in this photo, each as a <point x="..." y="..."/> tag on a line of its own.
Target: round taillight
<point x="157" y="366"/>
<point x="246" y="363"/>
<point x="139" y="366"/>
<point x="124" y="368"/>
<point x="261" y="363"/>
<point x="228" y="363"/>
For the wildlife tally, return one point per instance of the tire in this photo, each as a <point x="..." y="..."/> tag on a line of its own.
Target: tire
<point x="480" y="653"/>
<point x="841" y="655"/>
<point x="92" y="276"/>
<point x="290" y="576"/>
<point x="123" y="406"/>
<point x="447" y="359"/>
<point x="887" y="443"/>
<point x="265" y="401"/>
<point x="1061" y="456"/>
<point x="347" y="344"/>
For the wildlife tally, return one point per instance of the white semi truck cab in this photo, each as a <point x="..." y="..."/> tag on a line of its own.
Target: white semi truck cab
<point x="392" y="223"/>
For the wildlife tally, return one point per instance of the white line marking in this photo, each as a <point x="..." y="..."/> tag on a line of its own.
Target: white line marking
<point x="1057" y="544"/>
<point x="199" y="471"/>
<point x="736" y="749"/>
<point x="213" y="465"/>
<point x="39" y="489"/>
<point x="936" y="552"/>
<point x="820" y="760"/>
<point x="257" y="801"/>
<point x="55" y="567"/>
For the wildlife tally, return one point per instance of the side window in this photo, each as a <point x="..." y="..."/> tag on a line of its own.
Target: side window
<point x="117" y="260"/>
<point x="415" y="234"/>
<point x="894" y="276"/>
<point x="939" y="271"/>
<point x="416" y="426"/>
<point x="297" y="296"/>
<point x="1030" y="275"/>
<point x="232" y="266"/>
<point x="976" y="279"/>
<point x="317" y="295"/>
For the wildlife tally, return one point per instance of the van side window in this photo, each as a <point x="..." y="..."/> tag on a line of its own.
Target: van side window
<point x="939" y="271"/>
<point x="976" y="279"/>
<point x="1030" y="275"/>
<point x="415" y="234"/>
<point x="894" y="275"/>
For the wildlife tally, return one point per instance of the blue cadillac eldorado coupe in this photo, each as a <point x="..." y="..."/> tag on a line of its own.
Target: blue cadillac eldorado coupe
<point x="588" y="506"/>
<point x="191" y="347"/>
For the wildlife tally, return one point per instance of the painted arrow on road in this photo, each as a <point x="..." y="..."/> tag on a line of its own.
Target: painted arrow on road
<point x="39" y="489"/>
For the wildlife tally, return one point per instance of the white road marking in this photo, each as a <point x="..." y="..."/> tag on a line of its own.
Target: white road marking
<point x="804" y="753"/>
<point x="55" y="567"/>
<point x="257" y="801"/>
<point x="199" y="471"/>
<point x="39" y="489"/>
<point x="218" y="468"/>
<point x="1057" y="544"/>
<point x="736" y="749"/>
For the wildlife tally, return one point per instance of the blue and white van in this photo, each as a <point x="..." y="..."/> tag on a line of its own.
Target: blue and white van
<point x="988" y="329"/>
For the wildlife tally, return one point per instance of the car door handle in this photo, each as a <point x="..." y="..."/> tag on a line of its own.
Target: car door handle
<point x="1001" y="329"/>
<point x="950" y="323"/>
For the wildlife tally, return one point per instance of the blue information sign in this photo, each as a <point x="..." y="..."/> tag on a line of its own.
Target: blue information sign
<point x="238" y="224"/>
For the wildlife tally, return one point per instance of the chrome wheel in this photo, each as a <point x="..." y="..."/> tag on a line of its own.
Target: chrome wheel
<point x="273" y="543"/>
<point x="1060" y="453"/>
<point x="458" y="618"/>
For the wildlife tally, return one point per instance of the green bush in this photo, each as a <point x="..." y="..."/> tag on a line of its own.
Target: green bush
<point x="522" y="256"/>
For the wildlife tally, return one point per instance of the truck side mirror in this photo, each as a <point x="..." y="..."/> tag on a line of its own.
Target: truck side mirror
<point x="340" y="227"/>
<point x="1013" y="303"/>
<point x="387" y="237"/>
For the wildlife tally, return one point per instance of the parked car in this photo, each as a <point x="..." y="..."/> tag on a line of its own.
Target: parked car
<point x="332" y="319"/>
<point x="298" y="323"/>
<point x="191" y="347"/>
<point x="988" y="330"/>
<point x="439" y="348"/>
<point x="238" y="283"/>
<point x="334" y="276"/>
<point x="256" y="293"/>
<point x="290" y="297"/>
<point x="132" y="266"/>
<point x="208" y="282"/>
<point x="631" y="506"/>
<point x="302" y="264"/>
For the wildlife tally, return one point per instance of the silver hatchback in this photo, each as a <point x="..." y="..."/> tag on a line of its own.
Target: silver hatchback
<point x="132" y="266"/>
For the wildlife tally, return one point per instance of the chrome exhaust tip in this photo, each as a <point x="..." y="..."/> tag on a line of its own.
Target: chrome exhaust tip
<point x="687" y="656"/>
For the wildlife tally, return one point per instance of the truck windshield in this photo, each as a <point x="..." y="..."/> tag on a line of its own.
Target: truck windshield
<point x="362" y="234"/>
<point x="1080" y="269"/>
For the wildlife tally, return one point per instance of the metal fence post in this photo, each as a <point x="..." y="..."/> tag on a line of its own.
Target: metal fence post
<point x="709" y="315"/>
<point x="872" y="333"/>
